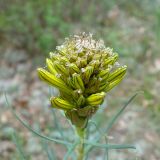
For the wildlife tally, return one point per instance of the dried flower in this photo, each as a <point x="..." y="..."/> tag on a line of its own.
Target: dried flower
<point x="83" y="70"/>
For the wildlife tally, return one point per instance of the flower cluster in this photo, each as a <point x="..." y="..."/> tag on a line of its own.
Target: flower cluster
<point x="83" y="70"/>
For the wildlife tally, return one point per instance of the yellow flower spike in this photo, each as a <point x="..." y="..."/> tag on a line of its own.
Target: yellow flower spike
<point x="50" y="67"/>
<point x="61" y="104"/>
<point x="95" y="99"/>
<point x="83" y="70"/>
<point x="118" y="73"/>
<point x="53" y="80"/>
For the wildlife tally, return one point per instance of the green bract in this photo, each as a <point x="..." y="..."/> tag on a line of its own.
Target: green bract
<point x="83" y="70"/>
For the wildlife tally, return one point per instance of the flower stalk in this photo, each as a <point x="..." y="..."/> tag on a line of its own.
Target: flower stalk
<point x="83" y="70"/>
<point x="80" y="148"/>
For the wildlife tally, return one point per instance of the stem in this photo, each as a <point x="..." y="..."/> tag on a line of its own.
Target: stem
<point x="80" y="148"/>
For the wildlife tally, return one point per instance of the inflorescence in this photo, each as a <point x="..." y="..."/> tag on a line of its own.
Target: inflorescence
<point x="83" y="70"/>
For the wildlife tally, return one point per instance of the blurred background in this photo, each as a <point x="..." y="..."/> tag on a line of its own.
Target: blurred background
<point x="30" y="29"/>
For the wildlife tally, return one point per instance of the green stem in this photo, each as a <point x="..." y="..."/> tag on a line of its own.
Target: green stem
<point x="80" y="148"/>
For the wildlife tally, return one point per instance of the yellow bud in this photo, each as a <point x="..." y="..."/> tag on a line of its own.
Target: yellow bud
<point x="93" y="85"/>
<point x="115" y="57"/>
<point x="86" y="73"/>
<point x="53" y="80"/>
<point x="72" y="58"/>
<point x="95" y="99"/>
<point x="89" y="56"/>
<point x="95" y="64"/>
<point x="77" y="81"/>
<point x="103" y="86"/>
<point x="60" y="68"/>
<point x="82" y="62"/>
<point x="108" y="61"/>
<point x="113" y="84"/>
<point x="81" y="101"/>
<point x="103" y="74"/>
<point x="64" y="60"/>
<point x="73" y="68"/>
<point x="50" y="66"/>
<point x="54" y="56"/>
<point x="61" y="104"/>
<point x="119" y="73"/>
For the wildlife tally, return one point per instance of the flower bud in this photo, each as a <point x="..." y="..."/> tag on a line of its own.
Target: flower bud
<point x="86" y="73"/>
<point x="77" y="81"/>
<point x="113" y="84"/>
<point x="61" y="104"/>
<point x="60" y="68"/>
<point x="82" y="62"/>
<point x="95" y="64"/>
<point x="53" y="80"/>
<point x="54" y="56"/>
<point x="73" y="68"/>
<point x="95" y="99"/>
<point x="81" y="101"/>
<point x="108" y="61"/>
<point x="103" y="86"/>
<point x="50" y="66"/>
<point x="118" y="73"/>
<point x="103" y="74"/>
<point x="64" y="60"/>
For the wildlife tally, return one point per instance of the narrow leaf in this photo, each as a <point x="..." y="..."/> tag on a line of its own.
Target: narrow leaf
<point x="70" y="150"/>
<point x="110" y="146"/>
<point x="49" y="152"/>
<point x="19" y="148"/>
<point x="111" y="122"/>
<point x="32" y="130"/>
